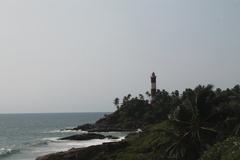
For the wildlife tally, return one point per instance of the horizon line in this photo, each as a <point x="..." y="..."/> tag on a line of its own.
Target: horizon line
<point x="52" y="112"/>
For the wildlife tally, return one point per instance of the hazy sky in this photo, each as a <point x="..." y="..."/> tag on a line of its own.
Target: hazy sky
<point x="78" y="55"/>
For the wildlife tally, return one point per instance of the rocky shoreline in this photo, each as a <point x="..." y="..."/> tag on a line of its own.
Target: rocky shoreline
<point x="169" y="128"/>
<point x="85" y="153"/>
<point x="109" y="123"/>
<point x="102" y="128"/>
<point x="87" y="136"/>
<point x="89" y="152"/>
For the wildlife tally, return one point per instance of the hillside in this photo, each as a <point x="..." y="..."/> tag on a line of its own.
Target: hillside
<point x="185" y="126"/>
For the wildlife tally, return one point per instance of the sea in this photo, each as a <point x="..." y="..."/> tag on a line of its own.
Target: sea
<point x="27" y="136"/>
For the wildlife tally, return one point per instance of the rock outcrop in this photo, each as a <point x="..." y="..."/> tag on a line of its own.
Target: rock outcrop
<point x="87" y="136"/>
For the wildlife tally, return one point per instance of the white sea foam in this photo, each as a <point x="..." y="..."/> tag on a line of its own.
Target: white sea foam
<point x="51" y="139"/>
<point x="65" y="131"/>
<point x="40" y="143"/>
<point x="7" y="151"/>
<point x="83" y="144"/>
<point x="64" y="145"/>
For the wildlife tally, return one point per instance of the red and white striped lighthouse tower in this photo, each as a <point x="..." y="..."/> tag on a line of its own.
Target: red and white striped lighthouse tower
<point x="153" y="87"/>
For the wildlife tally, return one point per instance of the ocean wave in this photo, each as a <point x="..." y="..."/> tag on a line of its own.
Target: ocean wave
<point x="121" y="138"/>
<point x="64" y="145"/>
<point x="8" y="151"/>
<point x="87" y="143"/>
<point x="40" y="143"/>
<point x="66" y="131"/>
<point x="51" y="139"/>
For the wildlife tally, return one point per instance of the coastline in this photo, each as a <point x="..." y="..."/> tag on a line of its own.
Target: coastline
<point x="99" y="143"/>
<point x="104" y="130"/>
<point x="27" y="136"/>
<point x="110" y="123"/>
<point x="85" y="153"/>
<point x="172" y="128"/>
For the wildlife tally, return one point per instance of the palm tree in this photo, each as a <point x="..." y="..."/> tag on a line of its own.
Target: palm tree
<point x="231" y="109"/>
<point x="192" y="120"/>
<point x="129" y="97"/>
<point x="148" y="94"/>
<point x="116" y="103"/>
<point x="141" y="97"/>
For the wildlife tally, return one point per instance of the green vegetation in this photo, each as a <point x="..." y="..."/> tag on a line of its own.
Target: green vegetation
<point x="226" y="150"/>
<point x="182" y="127"/>
<point x="199" y="124"/>
<point x="136" y="112"/>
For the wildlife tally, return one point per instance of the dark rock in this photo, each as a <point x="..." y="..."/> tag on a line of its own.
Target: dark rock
<point x="87" y="136"/>
<point x="111" y="137"/>
<point x="103" y="128"/>
<point x="84" y="127"/>
<point x="88" y="153"/>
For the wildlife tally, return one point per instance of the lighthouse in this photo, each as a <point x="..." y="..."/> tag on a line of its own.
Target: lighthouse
<point x="153" y="87"/>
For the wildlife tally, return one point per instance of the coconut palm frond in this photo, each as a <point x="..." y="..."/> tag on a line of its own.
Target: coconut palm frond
<point x="236" y="130"/>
